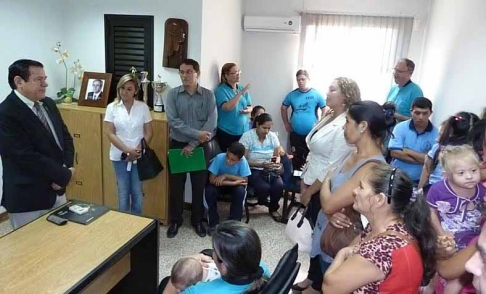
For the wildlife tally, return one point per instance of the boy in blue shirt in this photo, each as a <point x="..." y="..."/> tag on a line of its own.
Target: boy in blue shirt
<point x="228" y="174"/>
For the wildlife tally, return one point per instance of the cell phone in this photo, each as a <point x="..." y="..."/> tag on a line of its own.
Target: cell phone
<point x="274" y="159"/>
<point x="123" y="156"/>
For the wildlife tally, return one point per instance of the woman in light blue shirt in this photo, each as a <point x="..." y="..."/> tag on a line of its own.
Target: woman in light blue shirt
<point x="234" y="105"/>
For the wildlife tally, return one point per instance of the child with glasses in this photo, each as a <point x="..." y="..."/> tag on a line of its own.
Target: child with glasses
<point x="454" y="205"/>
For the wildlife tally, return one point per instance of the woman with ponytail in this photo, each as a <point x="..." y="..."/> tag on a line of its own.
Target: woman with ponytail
<point x="396" y="250"/>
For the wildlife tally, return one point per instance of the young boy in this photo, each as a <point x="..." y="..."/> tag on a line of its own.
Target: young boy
<point x="228" y="174"/>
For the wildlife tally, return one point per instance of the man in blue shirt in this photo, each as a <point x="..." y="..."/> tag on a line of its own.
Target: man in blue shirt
<point x="305" y="102"/>
<point x="405" y="91"/>
<point x="228" y="174"/>
<point x="412" y="139"/>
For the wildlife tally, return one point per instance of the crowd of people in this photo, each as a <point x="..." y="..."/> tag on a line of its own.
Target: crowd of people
<point x="408" y="196"/>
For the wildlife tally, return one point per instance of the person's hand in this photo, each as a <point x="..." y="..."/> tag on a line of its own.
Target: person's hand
<point x="446" y="246"/>
<point x="241" y="183"/>
<point x="204" y="136"/>
<point x="267" y="164"/>
<point x="73" y="172"/>
<point x="133" y="154"/>
<point x="288" y="127"/>
<point x="245" y="89"/>
<point x="346" y="252"/>
<point x="219" y="180"/>
<point x="246" y="110"/>
<point x="329" y="174"/>
<point x="187" y="151"/>
<point x="340" y="220"/>
<point x="55" y="187"/>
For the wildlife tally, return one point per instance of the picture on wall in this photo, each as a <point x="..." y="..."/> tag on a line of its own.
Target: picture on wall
<point x="95" y="89"/>
<point x="175" y="42"/>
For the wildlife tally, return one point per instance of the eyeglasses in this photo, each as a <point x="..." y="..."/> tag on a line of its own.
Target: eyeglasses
<point x="400" y="71"/>
<point x="235" y="73"/>
<point x="390" y="185"/>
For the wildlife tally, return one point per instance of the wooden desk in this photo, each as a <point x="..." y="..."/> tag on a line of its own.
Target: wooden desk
<point x="118" y="249"/>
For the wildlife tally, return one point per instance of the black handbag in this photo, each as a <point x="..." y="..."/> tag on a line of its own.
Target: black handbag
<point x="148" y="164"/>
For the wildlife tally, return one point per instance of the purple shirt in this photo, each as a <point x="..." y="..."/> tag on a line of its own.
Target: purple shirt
<point x="458" y="215"/>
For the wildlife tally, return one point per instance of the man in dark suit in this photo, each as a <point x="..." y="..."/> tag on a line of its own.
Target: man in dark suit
<point x="97" y="94"/>
<point x="36" y="148"/>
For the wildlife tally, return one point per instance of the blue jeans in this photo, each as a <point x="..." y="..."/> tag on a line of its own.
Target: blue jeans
<point x="130" y="192"/>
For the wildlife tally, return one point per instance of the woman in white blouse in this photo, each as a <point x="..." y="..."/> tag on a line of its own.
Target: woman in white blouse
<point x="127" y="121"/>
<point x="327" y="148"/>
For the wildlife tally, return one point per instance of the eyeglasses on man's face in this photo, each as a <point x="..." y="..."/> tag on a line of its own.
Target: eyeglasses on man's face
<point x="400" y="71"/>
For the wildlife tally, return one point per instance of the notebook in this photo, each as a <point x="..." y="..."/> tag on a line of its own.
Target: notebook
<point x="179" y="163"/>
<point x="95" y="211"/>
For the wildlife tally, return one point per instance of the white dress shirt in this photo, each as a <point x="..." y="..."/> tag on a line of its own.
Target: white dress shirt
<point x="327" y="148"/>
<point x="128" y="126"/>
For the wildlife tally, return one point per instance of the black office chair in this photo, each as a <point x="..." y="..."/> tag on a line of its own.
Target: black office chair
<point x="291" y="187"/>
<point x="213" y="149"/>
<point x="285" y="273"/>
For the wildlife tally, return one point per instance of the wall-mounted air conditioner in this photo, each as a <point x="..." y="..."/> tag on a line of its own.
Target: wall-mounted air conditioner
<point x="271" y="24"/>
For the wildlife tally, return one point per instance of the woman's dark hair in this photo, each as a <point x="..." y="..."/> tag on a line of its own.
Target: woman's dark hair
<point x="414" y="211"/>
<point x="255" y="110"/>
<point x="455" y="131"/>
<point x="376" y="117"/>
<point x="239" y="248"/>
<point x="476" y="136"/>
<point x="261" y="119"/>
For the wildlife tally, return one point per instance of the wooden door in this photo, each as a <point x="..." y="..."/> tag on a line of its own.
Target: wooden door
<point x="85" y="128"/>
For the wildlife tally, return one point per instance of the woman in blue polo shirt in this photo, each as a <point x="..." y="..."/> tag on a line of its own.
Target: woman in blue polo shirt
<point x="234" y="104"/>
<point x="305" y="103"/>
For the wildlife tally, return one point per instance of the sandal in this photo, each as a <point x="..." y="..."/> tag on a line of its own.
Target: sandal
<point x="276" y="216"/>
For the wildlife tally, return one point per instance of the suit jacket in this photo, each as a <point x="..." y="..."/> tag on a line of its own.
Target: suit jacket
<point x="31" y="158"/>
<point x="91" y="94"/>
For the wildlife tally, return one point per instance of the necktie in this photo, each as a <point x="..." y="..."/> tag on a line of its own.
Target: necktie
<point x="41" y="116"/>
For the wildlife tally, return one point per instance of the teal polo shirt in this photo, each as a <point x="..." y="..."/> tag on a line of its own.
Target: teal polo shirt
<point x="406" y="136"/>
<point x="403" y="97"/>
<point x="304" y="109"/>
<point x="232" y="122"/>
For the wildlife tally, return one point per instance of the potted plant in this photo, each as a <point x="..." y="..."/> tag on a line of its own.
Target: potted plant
<point x="65" y="94"/>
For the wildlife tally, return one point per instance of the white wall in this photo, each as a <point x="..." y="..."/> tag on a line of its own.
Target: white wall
<point x="454" y="68"/>
<point x="270" y="59"/>
<point x="85" y="35"/>
<point x="221" y="38"/>
<point x="30" y="31"/>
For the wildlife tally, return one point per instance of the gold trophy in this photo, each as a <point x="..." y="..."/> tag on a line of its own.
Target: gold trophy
<point x="159" y="88"/>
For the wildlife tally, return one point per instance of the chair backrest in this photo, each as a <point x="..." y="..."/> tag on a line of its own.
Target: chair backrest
<point x="212" y="149"/>
<point x="285" y="273"/>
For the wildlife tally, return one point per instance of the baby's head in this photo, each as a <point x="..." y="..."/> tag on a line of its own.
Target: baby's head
<point x="461" y="166"/>
<point x="186" y="272"/>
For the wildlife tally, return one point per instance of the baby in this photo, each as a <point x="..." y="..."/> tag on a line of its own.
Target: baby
<point x="189" y="271"/>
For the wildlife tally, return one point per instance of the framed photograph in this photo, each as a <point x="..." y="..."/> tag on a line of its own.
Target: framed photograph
<point x="95" y="89"/>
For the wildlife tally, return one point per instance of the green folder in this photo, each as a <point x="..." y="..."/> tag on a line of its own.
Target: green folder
<point x="179" y="163"/>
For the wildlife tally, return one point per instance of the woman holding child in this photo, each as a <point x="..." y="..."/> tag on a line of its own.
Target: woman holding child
<point x="237" y="254"/>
